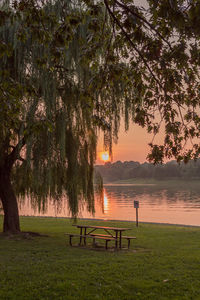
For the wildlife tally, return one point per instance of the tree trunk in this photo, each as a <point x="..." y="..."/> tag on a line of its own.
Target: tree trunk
<point x="9" y="202"/>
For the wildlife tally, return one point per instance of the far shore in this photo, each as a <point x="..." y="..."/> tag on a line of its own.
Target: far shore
<point x="153" y="182"/>
<point x="129" y="184"/>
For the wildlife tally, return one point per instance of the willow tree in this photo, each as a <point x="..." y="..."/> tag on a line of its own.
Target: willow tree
<point x="71" y="67"/>
<point x="49" y="113"/>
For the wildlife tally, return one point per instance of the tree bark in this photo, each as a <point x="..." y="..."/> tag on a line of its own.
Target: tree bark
<point x="9" y="202"/>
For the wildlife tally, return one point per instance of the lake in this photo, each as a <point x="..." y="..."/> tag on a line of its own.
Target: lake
<point x="176" y="204"/>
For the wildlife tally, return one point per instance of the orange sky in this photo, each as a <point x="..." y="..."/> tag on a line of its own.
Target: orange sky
<point x="132" y="145"/>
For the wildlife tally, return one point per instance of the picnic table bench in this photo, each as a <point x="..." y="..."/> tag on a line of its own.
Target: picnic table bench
<point x="94" y="237"/>
<point x="110" y="234"/>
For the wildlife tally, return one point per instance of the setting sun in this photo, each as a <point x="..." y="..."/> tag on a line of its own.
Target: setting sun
<point x="104" y="156"/>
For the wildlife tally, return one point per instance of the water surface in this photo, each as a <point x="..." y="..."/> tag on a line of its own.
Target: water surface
<point x="170" y="204"/>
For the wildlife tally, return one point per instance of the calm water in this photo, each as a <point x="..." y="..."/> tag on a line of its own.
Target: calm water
<point x="157" y="204"/>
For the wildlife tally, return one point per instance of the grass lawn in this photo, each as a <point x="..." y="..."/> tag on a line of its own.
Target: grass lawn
<point x="162" y="263"/>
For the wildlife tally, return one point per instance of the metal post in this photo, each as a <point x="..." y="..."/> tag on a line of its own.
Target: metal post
<point x="136" y="216"/>
<point x="136" y="205"/>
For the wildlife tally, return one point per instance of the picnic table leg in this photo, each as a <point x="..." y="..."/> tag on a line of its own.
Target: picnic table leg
<point x="85" y="237"/>
<point x="120" y="239"/>
<point x="70" y="239"/>
<point x="116" y="241"/>
<point x="80" y="236"/>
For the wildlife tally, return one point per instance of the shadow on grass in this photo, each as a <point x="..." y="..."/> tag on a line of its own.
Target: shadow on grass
<point x="29" y="235"/>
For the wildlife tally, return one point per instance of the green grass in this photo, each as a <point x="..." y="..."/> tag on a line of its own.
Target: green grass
<point x="162" y="263"/>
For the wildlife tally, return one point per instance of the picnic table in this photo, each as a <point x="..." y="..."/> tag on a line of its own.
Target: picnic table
<point x="95" y="232"/>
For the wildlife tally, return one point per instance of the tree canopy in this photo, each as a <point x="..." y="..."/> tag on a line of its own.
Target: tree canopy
<point x="70" y="68"/>
<point x="161" y="44"/>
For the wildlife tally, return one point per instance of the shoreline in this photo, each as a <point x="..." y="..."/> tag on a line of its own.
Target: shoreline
<point x="152" y="182"/>
<point x="121" y="221"/>
<point x="129" y="184"/>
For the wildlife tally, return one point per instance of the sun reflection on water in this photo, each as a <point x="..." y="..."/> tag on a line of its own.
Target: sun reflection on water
<point x="106" y="203"/>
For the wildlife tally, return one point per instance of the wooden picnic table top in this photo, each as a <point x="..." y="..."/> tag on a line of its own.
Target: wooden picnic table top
<point x="101" y="227"/>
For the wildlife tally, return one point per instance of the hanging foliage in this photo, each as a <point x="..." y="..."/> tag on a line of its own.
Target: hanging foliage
<point x="70" y="68"/>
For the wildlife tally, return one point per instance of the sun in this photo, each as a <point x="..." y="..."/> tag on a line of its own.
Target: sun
<point x="105" y="156"/>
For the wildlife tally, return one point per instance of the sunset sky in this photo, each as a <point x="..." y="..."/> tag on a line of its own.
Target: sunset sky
<point x="132" y="145"/>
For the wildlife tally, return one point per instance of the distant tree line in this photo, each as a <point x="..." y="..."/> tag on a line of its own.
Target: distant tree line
<point x="132" y="169"/>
